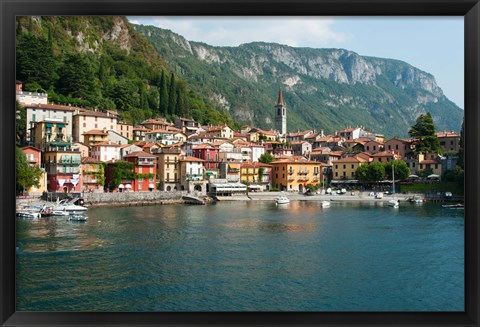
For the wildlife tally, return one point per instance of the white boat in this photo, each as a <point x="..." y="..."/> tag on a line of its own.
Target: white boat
<point x="282" y="200"/>
<point x="454" y="206"/>
<point x="393" y="203"/>
<point x="67" y="205"/>
<point x="59" y="213"/>
<point x="325" y="204"/>
<point x="27" y="213"/>
<point x="77" y="217"/>
<point x="379" y="195"/>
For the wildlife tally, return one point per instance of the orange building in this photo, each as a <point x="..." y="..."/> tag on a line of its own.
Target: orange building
<point x="295" y="173"/>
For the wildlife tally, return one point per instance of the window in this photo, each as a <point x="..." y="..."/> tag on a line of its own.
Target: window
<point x="344" y="166"/>
<point x="336" y="174"/>
<point x="84" y="124"/>
<point x="396" y="147"/>
<point x="389" y="147"/>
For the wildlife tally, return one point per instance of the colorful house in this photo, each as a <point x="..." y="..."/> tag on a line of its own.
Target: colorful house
<point x="92" y="174"/>
<point x="168" y="168"/>
<point x="346" y="168"/>
<point x="209" y="153"/>
<point x="256" y="175"/>
<point x="295" y="173"/>
<point x="62" y="165"/>
<point x="34" y="156"/>
<point x="145" y="167"/>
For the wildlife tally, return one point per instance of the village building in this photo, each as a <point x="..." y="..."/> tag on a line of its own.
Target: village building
<point x="92" y="175"/>
<point x="34" y="157"/>
<point x="449" y="141"/>
<point x="105" y="151"/>
<point x="192" y="175"/>
<point x="86" y="120"/>
<point x="94" y="136"/>
<point x="346" y="168"/>
<point x="301" y="148"/>
<point x="209" y="153"/>
<point x="400" y="145"/>
<point x="49" y="132"/>
<point x="29" y="98"/>
<point x="295" y="173"/>
<point x="115" y="137"/>
<point x="168" y="169"/>
<point x="62" y="164"/>
<point x="139" y="133"/>
<point x="256" y="175"/>
<point x="125" y="129"/>
<point x="145" y="169"/>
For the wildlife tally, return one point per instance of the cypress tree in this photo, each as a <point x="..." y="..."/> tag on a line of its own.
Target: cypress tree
<point x="423" y="132"/>
<point x="172" y="99"/>
<point x="163" y="91"/>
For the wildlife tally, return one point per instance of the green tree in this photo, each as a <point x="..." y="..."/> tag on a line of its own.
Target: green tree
<point x="26" y="175"/>
<point x="401" y="170"/>
<point x="77" y="77"/>
<point x="266" y="158"/>
<point x="163" y="90"/>
<point x="423" y="133"/>
<point x="369" y="173"/>
<point x="35" y="61"/>
<point x="172" y="99"/>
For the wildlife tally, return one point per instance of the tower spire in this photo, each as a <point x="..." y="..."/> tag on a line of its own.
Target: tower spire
<point x="280" y="97"/>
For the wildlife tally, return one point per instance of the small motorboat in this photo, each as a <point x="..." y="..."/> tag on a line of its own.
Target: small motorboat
<point x="26" y="213"/>
<point x="77" y="217"/>
<point x="59" y="213"/>
<point x="454" y="206"/>
<point x="393" y="203"/>
<point x="282" y="200"/>
<point x="379" y="195"/>
<point x="325" y="204"/>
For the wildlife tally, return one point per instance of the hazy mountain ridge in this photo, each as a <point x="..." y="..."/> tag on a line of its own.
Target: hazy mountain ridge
<point x="323" y="88"/>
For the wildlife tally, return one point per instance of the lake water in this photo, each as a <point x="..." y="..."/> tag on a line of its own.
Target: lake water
<point x="244" y="256"/>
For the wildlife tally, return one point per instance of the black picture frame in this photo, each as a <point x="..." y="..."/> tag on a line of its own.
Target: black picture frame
<point x="470" y="9"/>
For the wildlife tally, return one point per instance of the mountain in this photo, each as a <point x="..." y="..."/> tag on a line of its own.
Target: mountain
<point x="326" y="89"/>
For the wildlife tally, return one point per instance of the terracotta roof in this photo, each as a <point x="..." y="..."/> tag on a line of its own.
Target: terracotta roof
<point x="280" y="98"/>
<point x="106" y="144"/>
<point x="351" y="160"/>
<point x="141" y="154"/>
<point x="384" y="154"/>
<point x="190" y="158"/>
<point x="429" y="162"/>
<point x="254" y="165"/>
<point x="203" y="146"/>
<point x="95" y="132"/>
<point x="86" y="160"/>
<point x="50" y="106"/>
<point x="447" y="134"/>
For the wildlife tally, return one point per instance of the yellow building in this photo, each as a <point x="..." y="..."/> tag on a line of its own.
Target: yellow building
<point x="95" y="136"/>
<point x="345" y="168"/>
<point x="168" y="168"/>
<point x="255" y="173"/>
<point x="295" y="173"/>
<point x="48" y="131"/>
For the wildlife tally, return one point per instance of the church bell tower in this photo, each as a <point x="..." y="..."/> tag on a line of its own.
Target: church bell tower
<point x="281" y="115"/>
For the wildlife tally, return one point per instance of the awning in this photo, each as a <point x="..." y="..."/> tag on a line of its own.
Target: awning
<point x="433" y="176"/>
<point x="128" y="186"/>
<point x="48" y="124"/>
<point x="121" y="186"/>
<point x="151" y="186"/>
<point x="61" y="125"/>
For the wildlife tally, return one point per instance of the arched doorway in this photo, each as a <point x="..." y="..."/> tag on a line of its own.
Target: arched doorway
<point x="198" y="188"/>
<point x="169" y="188"/>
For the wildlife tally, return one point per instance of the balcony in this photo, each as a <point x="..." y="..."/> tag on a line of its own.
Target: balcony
<point x="291" y="171"/>
<point x="194" y="177"/>
<point x="291" y="178"/>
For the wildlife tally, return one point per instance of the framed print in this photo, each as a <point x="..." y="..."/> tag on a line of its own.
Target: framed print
<point x="239" y="163"/>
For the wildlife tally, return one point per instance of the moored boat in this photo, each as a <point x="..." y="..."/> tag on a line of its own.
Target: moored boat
<point x="77" y="217"/>
<point x="393" y="203"/>
<point x="68" y="205"/>
<point x="282" y="200"/>
<point x="325" y="204"/>
<point x="454" y="206"/>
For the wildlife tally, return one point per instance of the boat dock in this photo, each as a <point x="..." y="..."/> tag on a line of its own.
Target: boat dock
<point x="190" y="199"/>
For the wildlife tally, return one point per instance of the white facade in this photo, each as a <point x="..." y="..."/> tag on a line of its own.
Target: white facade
<point x="257" y="151"/>
<point x="105" y="152"/>
<point x="117" y="138"/>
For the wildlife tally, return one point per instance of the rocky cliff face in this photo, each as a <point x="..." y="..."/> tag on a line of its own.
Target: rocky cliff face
<point x="323" y="88"/>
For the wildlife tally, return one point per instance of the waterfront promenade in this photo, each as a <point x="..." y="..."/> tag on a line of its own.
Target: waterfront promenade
<point x="152" y="198"/>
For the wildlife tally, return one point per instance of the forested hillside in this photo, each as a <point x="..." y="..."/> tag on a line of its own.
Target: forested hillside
<point x="102" y="62"/>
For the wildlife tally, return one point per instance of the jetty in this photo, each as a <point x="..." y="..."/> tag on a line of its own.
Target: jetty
<point x="190" y="199"/>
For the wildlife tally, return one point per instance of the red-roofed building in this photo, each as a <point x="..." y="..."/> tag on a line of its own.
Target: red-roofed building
<point x="209" y="153"/>
<point x="449" y="141"/>
<point x="146" y="170"/>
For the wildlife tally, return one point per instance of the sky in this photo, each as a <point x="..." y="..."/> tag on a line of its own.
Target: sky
<point x="432" y="44"/>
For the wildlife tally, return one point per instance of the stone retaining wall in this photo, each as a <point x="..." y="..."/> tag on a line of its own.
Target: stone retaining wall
<point x="132" y="198"/>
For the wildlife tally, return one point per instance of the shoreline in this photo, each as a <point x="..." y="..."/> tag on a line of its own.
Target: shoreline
<point x="164" y="198"/>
